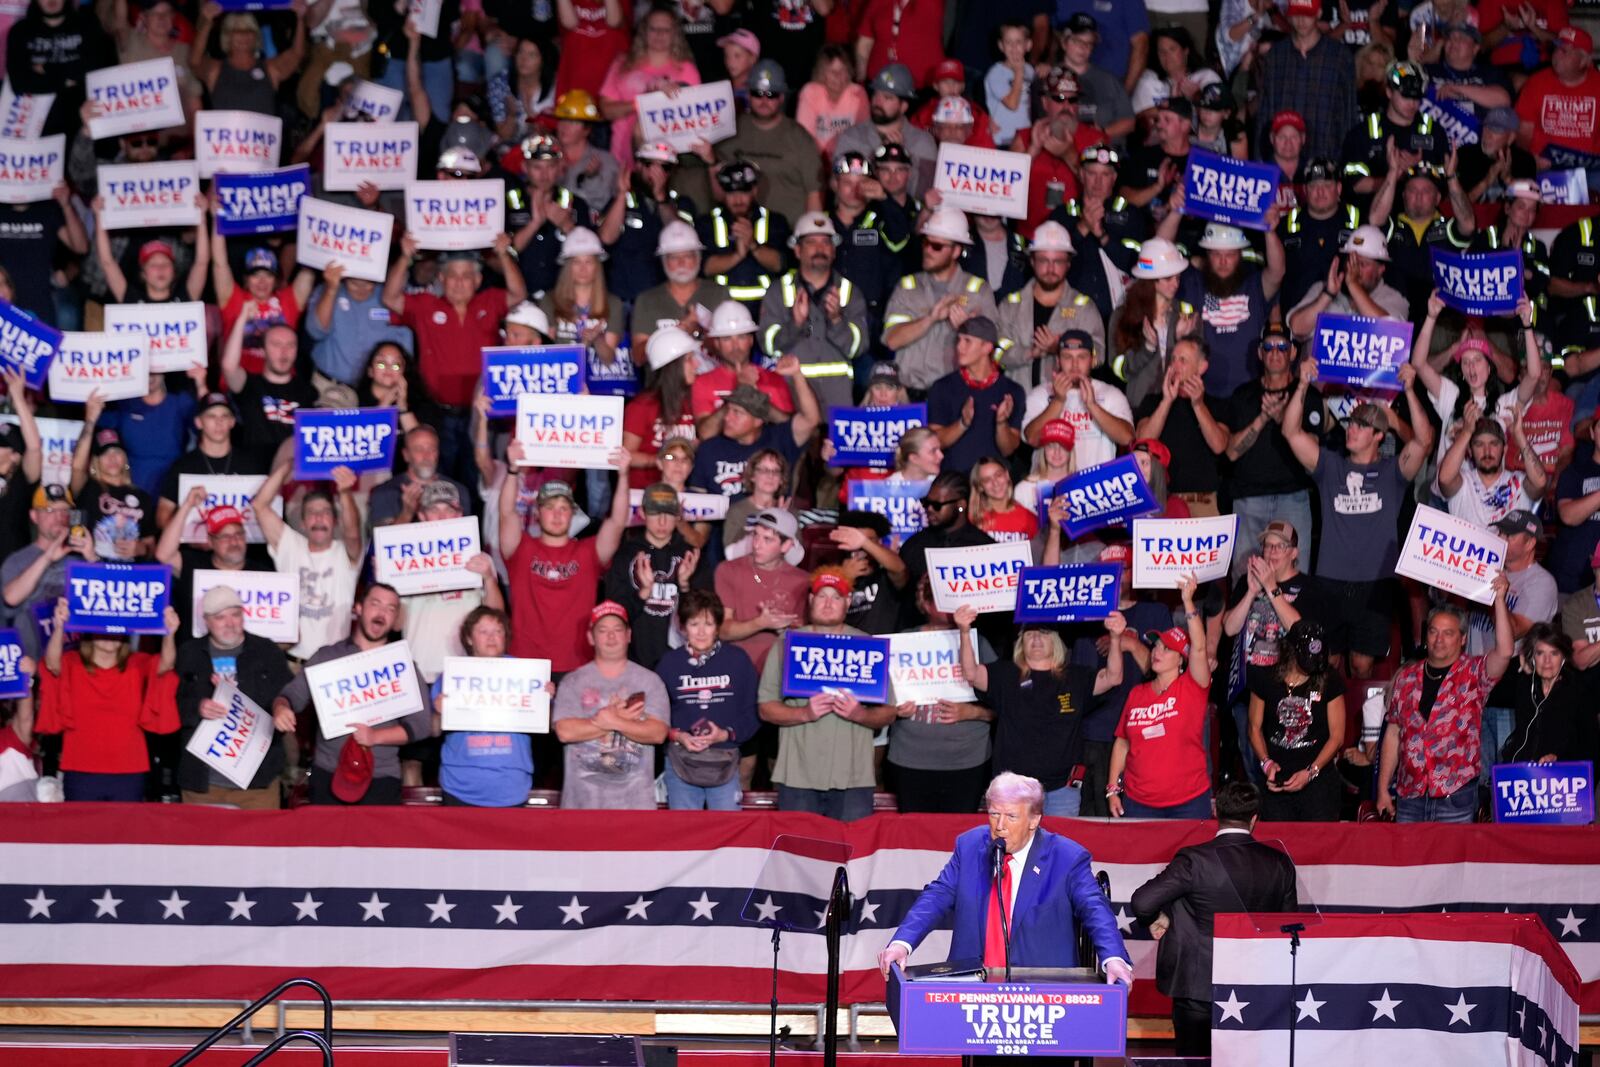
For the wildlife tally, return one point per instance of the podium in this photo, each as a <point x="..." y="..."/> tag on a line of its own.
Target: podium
<point x="1042" y="1011"/>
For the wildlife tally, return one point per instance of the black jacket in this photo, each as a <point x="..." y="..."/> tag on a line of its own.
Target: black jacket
<point x="1230" y="873"/>
<point x="263" y="672"/>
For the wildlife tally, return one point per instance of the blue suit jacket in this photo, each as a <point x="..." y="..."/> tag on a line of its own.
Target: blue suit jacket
<point x="1057" y="885"/>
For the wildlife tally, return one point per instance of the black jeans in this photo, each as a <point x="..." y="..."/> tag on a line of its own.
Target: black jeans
<point x="958" y="792"/>
<point x="1317" y="802"/>
<point x="1191" y="1025"/>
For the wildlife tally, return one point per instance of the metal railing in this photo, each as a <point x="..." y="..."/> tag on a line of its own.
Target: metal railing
<point x="256" y="1005"/>
<point x="307" y="1036"/>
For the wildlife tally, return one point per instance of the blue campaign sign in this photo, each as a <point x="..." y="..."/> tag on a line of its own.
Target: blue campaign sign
<point x="266" y="202"/>
<point x="1011" y="1019"/>
<point x="26" y="344"/>
<point x="836" y="663"/>
<point x="13" y="683"/>
<point x="1103" y="495"/>
<point x="359" y="438"/>
<point x="1479" y="283"/>
<point x="1071" y="592"/>
<point x="508" y="372"/>
<point x="617" y="378"/>
<point x="1569" y="187"/>
<point x="1563" y="157"/>
<point x="1229" y="190"/>
<point x="1360" y="352"/>
<point x="868" y="437"/>
<point x="118" y="598"/>
<point x="44" y="624"/>
<point x="899" y="502"/>
<point x="1459" y="123"/>
<point x="1544" y="794"/>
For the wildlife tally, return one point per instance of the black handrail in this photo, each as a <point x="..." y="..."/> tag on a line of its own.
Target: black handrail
<point x="295" y="1035"/>
<point x="226" y="1028"/>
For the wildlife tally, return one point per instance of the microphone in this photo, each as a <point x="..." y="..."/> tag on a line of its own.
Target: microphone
<point x="998" y="849"/>
<point x="997" y="855"/>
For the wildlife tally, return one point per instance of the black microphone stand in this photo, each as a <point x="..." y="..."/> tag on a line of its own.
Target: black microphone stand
<point x="1000" y="858"/>
<point x="838" y="915"/>
<point x="1293" y="930"/>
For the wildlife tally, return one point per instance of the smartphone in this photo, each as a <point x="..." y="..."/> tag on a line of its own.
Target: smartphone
<point x="75" y="521"/>
<point x="636" y="698"/>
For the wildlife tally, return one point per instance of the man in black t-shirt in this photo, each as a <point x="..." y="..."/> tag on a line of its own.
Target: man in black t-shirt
<point x="1181" y="418"/>
<point x="267" y="401"/>
<point x="212" y="455"/>
<point x="1268" y="483"/>
<point x="29" y="234"/>
<point x="21" y="464"/>
<point x="976" y="410"/>
<point x="744" y="425"/>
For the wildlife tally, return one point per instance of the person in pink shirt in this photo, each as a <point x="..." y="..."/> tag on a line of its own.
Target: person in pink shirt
<point x="831" y="101"/>
<point x="658" y="61"/>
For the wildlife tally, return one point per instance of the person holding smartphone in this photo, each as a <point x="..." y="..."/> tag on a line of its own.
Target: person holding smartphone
<point x="35" y="575"/>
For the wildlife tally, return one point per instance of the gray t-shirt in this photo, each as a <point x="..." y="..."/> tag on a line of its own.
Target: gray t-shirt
<point x="920" y="745"/>
<point x="1360" y="517"/>
<point x="52" y="585"/>
<point x="1532" y="595"/>
<point x="610" y="771"/>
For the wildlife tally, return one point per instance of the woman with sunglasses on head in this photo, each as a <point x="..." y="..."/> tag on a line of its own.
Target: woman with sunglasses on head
<point x="241" y="80"/>
<point x="391" y="381"/>
<point x="1297" y="729"/>
<point x="1555" y="704"/>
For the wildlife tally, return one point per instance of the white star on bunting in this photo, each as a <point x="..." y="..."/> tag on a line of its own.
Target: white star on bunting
<point x="439" y="909"/>
<point x="373" y="908"/>
<point x="239" y="908"/>
<point x="106" y="905"/>
<point x="703" y="907"/>
<point x="1384" y="1007"/>
<point x="1571" y="924"/>
<point x="173" y="906"/>
<point x="1233" y="1007"/>
<point x="869" y="912"/>
<point x="1309" y="1008"/>
<point x="769" y="910"/>
<point x="306" y="908"/>
<point x="640" y="908"/>
<point x="507" y="911"/>
<point x="1460" y="1011"/>
<point x="1124" y="920"/>
<point x="573" y="912"/>
<point x="38" y="905"/>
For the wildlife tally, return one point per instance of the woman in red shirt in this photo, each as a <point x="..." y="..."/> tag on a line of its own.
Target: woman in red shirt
<point x="994" y="509"/>
<point x="1158" y="761"/>
<point x="103" y="700"/>
<point x="662" y="409"/>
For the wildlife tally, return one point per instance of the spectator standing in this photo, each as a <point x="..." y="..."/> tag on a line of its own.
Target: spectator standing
<point x="1036" y="319"/>
<point x="545" y="213"/>
<point x="651" y="572"/>
<point x="213" y="452"/>
<point x="1181" y="418"/>
<point x="327" y="556"/>
<point x="49" y="51"/>
<point x="1483" y="491"/>
<point x="400" y="499"/>
<point x="1122" y="31"/>
<point x="481" y="769"/>
<point x="831" y="102"/>
<point x="729" y="342"/>
<point x="1297" y="729"/>
<point x="975" y="409"/>
<point x="226" y="548"/>
<point x="31" y="235"/>
<point x="664" y="409"/>
<point x="1557" y="105"/>
<point x="658" y="60"/>
<point x="21" y="466"/>
<point x="433" y="621"/>
<point x="1555" y="714"/>
<point x="783" y="151"/>
<point x="763" y="591"/>
<point x="817" y="314"/>
<point x="1234" y="304"/>
<point x="120" y="516"/>
<point x="1312" y="74"/>
<point x="241" y="79"/>
<point x="268" y="398"/>
<point x="892" y="89"/>
<point x="679" y="300"/>
<point x="712" y="690"/>
<point x="1103" y="94"/>
<point x="35" y="575"/>
<point x="594" y="33"/>
<point x="745" y="426"/>
<point x="927" y="308"/>
<point x="1578" y="505"/>
<point x="1268" y="484"/>
<point x="347" y="321"/>
<point x="1096" y="411"/>
<point x="1351" y="285"/>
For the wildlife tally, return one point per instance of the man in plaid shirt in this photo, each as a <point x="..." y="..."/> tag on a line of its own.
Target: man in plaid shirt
<point x="1432" y="728"/>
<point x="1313" y="75"/>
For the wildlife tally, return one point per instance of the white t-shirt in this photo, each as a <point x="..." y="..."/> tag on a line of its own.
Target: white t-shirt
<point x="433" y="627"/>
<point x="1091" y="447"/>
<point x="1444" y="403"/>
<point x="327" y="589"/>
<point x="1488" y="503"/>
<point x="1152" y="89"/>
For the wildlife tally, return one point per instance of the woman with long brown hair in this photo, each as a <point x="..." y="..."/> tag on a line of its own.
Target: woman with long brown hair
<point x="579" y="307"/>
<point x="659" y="61"/>
<point x="662" y="409"/>
<point x="1151" y="320"/>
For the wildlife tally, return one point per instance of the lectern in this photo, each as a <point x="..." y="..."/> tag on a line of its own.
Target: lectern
<point x="1042" y="1011"/>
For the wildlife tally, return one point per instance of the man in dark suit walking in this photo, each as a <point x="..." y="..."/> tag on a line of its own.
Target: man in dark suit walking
<point x="1230" y="873"/>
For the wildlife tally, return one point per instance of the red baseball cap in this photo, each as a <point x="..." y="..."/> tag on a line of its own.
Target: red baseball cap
<point x="607" y="607"/>
<point x="353" y="777"/>
<point x="1303" y="7"/>
<point x="1173" y="637"/>
<point x="154" y="248"/>
<point x="221" y="517"/>
<point x="1573" y="37"/>
<point x="1158" y="451"/>
<point x="1115" y="554"/>
<point x="1058" y="432"/>
<point x="949" y="68"/>
<point x="1288" y="116"/>
<point x="828" y="579"/>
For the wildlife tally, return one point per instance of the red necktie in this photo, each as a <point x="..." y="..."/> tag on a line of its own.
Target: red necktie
<point x="994" y="941"/>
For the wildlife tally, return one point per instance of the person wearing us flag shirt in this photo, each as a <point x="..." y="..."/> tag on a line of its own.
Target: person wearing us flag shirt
<point x="1046" y="887"/>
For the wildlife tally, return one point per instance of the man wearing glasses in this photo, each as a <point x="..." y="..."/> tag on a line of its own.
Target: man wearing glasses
<point x="777" y="144"/>
<point x="948" y="527"/>
<point x="928" y="307"/>
<point x="1046" y="878"/>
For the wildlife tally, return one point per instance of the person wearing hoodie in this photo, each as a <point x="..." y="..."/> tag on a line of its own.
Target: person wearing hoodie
<point x="50" y="51"/>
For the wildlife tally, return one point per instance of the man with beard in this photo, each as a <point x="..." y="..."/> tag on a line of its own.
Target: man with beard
<point x="864" y="255"/>
<point x="949" y="526"/>
<point x="891" y="92"/>
<point x="227" y="549"/>
<point x="744" y="241"/>
<point x="399" y="499"/>
<point x="1152" y="173"/>
<point x="1420" y="228"/>
<point x="1315" y="228"/>
<point x="1107" y="228"/>
<point x="1233" y="304"/>
<point x="1353" y="285"/>
<point x="632" y="224"/>
<point x="1484" y="491"/>
<point x="776" y="144"/>
<point x="745" y="424"/>
<point x="267" y="401"/>
<point x="327" y="556"/>
<point x="375" y="619"/>
<point x="542" y="213"/>
<point x="679" y="300"/>
<point x="729" y="342"/>
<point x="927" y="308"/>
<point x="889" y="197"/>
<point x="1035" y="318"/>
<point x="50" y="50"/>
<point x="817" y="314"/>
<point x="650" y="572"/>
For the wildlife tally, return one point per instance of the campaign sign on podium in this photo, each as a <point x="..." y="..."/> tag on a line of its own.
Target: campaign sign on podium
<point x="966" y="1018"/>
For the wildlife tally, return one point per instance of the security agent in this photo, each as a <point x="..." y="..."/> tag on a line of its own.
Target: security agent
<point x="744" y="241"/>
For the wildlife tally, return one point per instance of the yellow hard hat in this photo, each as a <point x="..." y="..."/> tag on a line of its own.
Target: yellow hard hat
<point x="577" y="104"/>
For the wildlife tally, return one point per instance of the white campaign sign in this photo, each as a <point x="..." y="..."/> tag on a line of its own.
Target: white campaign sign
<point x="134" y="97"/>
<point x="456" y="216"/>
<point x="233" y="490"/>
<point x="333" y="233"/>
<point x="31" y="169"/>
<point x="237" y="142"/>
<point x="1166" y="549"/>
<point x="696" y="113"/>
<point x="983" y="180"/>
<point x="116" y="365"/>
<point x="139" y="195"/>
<point x="378" y="102"/>
<point x="696" y="507"/>
<point x="983" y="577"/>
<point x="427" y="557"/>
<point x="425" y="16"/>
<point x="383" y="153"/>
<point x="1452" y="554"/>
<point x="508" y="695"/>
<point x="234" y="745"/>
<point x="569" y="431"/>
<point x="364" y="689"/>
<point x="271" y="602"/>
<point x="58" y="438"/>
<point x="177" y="332"/>
<point x="925" y="668"/>
<point x="23" y="117"/>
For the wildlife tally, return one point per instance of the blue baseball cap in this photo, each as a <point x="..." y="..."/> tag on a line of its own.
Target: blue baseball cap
<point x="260" y="259"/>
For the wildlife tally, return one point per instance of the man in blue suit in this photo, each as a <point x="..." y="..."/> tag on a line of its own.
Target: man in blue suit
<point x="1047" y="881"/>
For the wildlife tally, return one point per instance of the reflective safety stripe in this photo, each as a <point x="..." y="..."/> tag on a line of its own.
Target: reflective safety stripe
<point x="974" y="284"/>
<point x="787" y="282"/>
<point x="1129" y="242"/>
<point x="1352" y="215"/>
<point x="1116" y="367"/>
<point x="893" y="245"/>
<point x="769" y="340"/>
<point x="845" y="291"/>
<point x="895" y="320"/>
<point x="855" y="340"/>
<point x="1005" y="345"/>
<point x="563" y="197"/>
<point x="1586" y="232"/>
<point x="1015" y="298"/>
<point x="1292" y="225"/>
<point x="908" y="282"/>
<point x="761" y="227"/>
<point x="827" y="370"/>
<point x="1358" y="170"/>
<point x="750" y="292"/>
<point x="1374" y="125"/>
<point x="719" y="231"/>
<point x="869" y="220"/>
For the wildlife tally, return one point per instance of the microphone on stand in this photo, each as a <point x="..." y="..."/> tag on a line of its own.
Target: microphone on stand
<point x="999" y="858"/>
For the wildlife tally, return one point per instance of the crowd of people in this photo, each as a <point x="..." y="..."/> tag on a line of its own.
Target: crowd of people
<point x="740" y="291"/>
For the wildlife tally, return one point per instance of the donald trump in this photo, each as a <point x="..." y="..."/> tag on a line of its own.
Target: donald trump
<point x="1044" y="882"/>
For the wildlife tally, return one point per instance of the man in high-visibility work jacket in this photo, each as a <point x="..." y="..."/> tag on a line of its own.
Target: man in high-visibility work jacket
<point x="817" y="314"/>
<point x="927" y="307"/>
<point x="744" y="241"/>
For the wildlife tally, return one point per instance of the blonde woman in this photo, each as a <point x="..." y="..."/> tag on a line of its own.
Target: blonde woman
<point x="241" y="80"/>
<point x="658" y="61"/>
<point x="1052" y="461"/>
<point x="994" y="507"/>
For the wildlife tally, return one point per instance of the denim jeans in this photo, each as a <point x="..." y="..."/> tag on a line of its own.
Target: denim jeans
<point x="1198" y="808"/>
<point x="455" y="447"/>
<point x="1256" y="511"/>
<point x="681" y="796"/>
<point x="846" y="805"/>
<point x="1247" y="754"/>
<point x="1066" y="802"/>
<point x="597" y="493"/>
<point x="438" y="81"/>
<point x="1459" y="806"/>
<point x="1495" y="731"/>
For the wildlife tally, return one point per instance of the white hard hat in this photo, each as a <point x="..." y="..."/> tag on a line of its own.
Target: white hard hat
<point x="948" y="224"/>
<point x="813" y="224"/>
<point x="660" y="151"/>
<point x="460" y="158"/>
<point x="530" y="315"/>
<point x="1050" y="237"/>
<point x="1524" y="189"/>
<point x="731" y="319"/>
<point x="1220" y="237"/>
<point x="953" y="109"/>
<point x="581" y="241"/>
<point x="1159" y="258"/>
<point x="678" y="237"/>
<point x="1368" y="242"/>
<point x="667" y="344"/>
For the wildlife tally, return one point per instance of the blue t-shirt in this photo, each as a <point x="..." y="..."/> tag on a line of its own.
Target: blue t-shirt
<point x="485" y="770"/>
<point x="154" y="435"/>
<point x="720" y="691"/>
<point x="1119" y="20"/>
<point x="947" y="397"/>
<point x="719" y="463"/>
